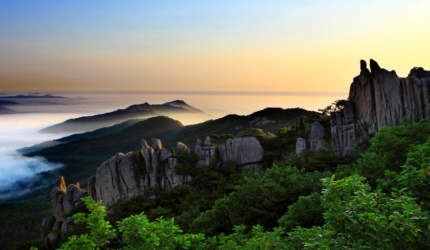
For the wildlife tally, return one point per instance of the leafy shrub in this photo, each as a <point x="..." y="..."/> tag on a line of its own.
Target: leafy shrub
<point x="389" y="147"/>
<point x="306" y="212"/>
<point x="261" y="199"/>
<point x="355" y="217"/>
<point x="321" y="160"/>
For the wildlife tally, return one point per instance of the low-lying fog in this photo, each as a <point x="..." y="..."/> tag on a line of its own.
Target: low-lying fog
<point x="18" y="131"/>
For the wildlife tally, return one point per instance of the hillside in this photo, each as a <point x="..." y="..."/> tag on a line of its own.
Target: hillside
<point x="87" y="135"/>
<point x="175" y="109"/>
<point x="267" y="119"/>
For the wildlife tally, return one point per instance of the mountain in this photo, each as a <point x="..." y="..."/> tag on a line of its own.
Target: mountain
<point x="7" y="102"/>
<point x="35" y="95"/>
<point x="267" y="119"/>
<point x="176" y="109"/>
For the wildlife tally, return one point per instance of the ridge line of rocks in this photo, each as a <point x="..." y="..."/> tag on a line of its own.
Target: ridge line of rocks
<point x="127" y="175"/>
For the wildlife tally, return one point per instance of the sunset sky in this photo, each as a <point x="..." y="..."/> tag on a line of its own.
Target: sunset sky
<point x="300" y="48"/>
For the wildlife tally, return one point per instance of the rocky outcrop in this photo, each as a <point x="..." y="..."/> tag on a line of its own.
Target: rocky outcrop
<point x="261" y="121"/>
<point x="66" y="228"/>
<point x="378" y="98"/>
<point x="122" y="176"/>
<point x="63" y="199"/>
<point x="127" y="175"/>
<point x="181" y="148"/>
<point x="316" y="139"/>
<point x="300" y="145"/>
<point x="206" y="152"/>
<point x="243" y="150"/>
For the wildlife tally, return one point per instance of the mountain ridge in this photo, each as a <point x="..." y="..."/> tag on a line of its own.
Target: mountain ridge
<point x="175" y="109"/>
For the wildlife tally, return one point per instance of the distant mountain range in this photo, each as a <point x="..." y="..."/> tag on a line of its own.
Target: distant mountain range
<point x="175" y="109"/>
<point x="4" y="106"/>
<point x="30" y="96"/>
<point x="9" y="102"/>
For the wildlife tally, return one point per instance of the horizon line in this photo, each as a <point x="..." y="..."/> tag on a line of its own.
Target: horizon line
<point x="218" y="92"/>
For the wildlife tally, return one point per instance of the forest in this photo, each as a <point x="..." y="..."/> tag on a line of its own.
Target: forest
<point x="377" y="199"/>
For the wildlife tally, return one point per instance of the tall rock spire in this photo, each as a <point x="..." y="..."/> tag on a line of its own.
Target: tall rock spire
<point x="378" y="98"/>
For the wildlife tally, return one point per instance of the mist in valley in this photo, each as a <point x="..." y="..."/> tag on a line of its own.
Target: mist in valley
<point x="19" y="131"/>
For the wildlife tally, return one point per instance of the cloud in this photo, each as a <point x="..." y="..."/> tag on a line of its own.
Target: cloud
<point x="23" y="174"/>
<point x="20" y="174"/>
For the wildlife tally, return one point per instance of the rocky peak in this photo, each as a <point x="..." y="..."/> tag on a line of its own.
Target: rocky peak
<point x="378" y="98"/>
<point x="374" y="66"/>
<point x="177" y="102"/>
<point x="63" y="199"/>
<point x="419" y="72"/>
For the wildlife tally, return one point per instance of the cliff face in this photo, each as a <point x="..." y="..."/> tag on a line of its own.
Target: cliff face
<point x="127" y="175"/>
<point x="378" y="98"/>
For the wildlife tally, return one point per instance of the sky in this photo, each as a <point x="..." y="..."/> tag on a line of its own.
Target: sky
<point x="297" y="50"/>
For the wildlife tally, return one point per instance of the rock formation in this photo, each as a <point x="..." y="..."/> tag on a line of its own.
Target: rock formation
<point x="126" y="175"/>
<point x="63" y="199"/>
<point x="242" y="150"/>
<point x="378" y="98"/>
<point x="300" y="145"/>
<point x="315" y="141"/>
<point x="206" y="152"/>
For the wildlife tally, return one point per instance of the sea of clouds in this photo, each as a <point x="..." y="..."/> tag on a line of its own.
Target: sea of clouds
<point x="18" y="131"/>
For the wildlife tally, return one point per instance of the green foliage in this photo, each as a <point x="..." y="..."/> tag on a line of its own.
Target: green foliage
<point x="21" y="222"/>
<point x="233" y="209"/>
<point x="139" y="233"/>
<point x="261" y="199"/>
<point x="389" y="147"/>
<point x="334" y="107"/>
<point x="414" y="177"/>
<point x="100" y="231"/>
<point x="184" y="202"/>
<point x="254" y="132"/>
<point x="186" y="164"/>
<point x="279" y="144"/>
<point x="321" y="160"/>
<point x="358" y="218"/>
<point x="221" y="138"/>
<point x="306" y="212"/>
<point x="257" y="239"/>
